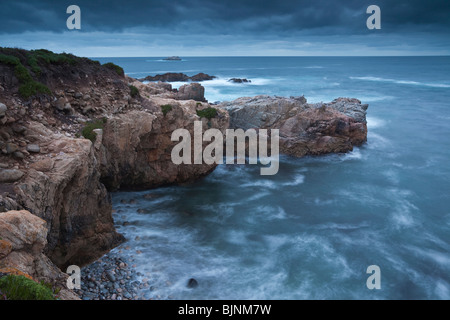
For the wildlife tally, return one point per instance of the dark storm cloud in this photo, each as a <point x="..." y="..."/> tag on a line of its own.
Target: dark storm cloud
<point x="226" y="17"/>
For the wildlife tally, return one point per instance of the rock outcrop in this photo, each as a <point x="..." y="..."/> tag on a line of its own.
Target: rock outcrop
<point x="305" y="129"/>
<point x="136" y="147"/>
<point x="239" y="80"/>
<point x="48" y="168"/>
<point x="23" y="239"/>
<point x="177" y="77"/>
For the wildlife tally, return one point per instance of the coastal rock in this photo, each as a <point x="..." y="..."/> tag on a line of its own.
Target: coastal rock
<point x="136" y="152"/>
<point x="67" y="194"/>
<point x="23" y="241"/>
<point x="192" y="91"/>
<point x="192" y="283"/>
<point x="178" y="77"/>
<point x="238" y="80"/>
<point x="305" y="129"/>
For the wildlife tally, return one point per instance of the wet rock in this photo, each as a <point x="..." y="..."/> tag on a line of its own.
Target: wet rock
<point x="192" y="283"/>
<point x="238" y="80"/>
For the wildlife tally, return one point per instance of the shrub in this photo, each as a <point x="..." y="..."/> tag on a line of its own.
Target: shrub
<point x="207" y="113"/>
<point x="114" y="67"/>
<point x="166" y="108"/>
<point x="28" y="86"/>
<point x="10" y="60"/>
<point x="32" y="88"/>
<point x="21" y="288"/>
<point x="88" y="130"/>
<point x="134" y="91"/>
<point x="48" y="57"/>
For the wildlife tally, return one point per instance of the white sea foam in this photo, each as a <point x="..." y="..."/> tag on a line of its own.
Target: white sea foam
<point x="405" y="82"/>
<point x="298" y="179"/>
<point x="373" y="122"/>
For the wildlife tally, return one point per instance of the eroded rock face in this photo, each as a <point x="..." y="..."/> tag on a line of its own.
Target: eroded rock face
<point x="63" y="188"/>
<point x="136" y="148"/>
<point x="305" y="129"/>
<point x="24" y="237"/>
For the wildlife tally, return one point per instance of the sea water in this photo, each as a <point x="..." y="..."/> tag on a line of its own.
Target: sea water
<point x="312" y="230"/>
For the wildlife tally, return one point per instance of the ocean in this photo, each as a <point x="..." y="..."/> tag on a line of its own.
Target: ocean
<point x="312" y="230"/>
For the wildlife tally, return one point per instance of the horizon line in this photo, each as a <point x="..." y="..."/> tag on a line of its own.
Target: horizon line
<point x="280" y="56"/>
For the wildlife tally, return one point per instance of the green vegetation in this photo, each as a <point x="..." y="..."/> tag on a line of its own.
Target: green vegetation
<point x="10" y="60"/>
<point x="21" y="288"/>
<point x="207" y="113"/>
<point x="88" y="130"/>
<point x="134" y="91"/>
<point x="32" y="88"/>
<point x="28" y="86"/>
<point x="114" y="67"/>
<point x="166" y="108"/>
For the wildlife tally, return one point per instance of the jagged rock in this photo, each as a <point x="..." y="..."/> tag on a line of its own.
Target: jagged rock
<point x="71" y="200"/>
<point x="10" y="175"/>
<point x="238" y="80"/>
<point x="136" y="150"/>
<point x="24" y="237"/>
<point x="304" y="129"/>
<point x="176" y="77"/>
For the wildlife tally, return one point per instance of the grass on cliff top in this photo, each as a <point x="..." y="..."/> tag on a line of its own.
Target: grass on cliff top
<point x="88" y="130"/>
<point x="28" y="86"/>
<point x="14" y="287"/>
<point x="116" y="68"/>
<point x="23" y="61"/>
<point x="207" y="113"/>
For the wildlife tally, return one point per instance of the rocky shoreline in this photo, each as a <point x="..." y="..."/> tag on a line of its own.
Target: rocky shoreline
<point x="72" y="131"/>
<point x="113" y="277"/>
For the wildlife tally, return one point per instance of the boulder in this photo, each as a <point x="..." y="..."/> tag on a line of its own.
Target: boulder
<point x="33" y="148"/>
<point x="3" y="110"/>
<point x="10" y="175"/>
<point x="193" y="91"/>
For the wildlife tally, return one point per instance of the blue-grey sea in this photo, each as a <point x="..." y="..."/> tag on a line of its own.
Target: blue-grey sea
<point x="311" y="231"/>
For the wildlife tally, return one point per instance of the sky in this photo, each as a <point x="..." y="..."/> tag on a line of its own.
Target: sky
<point x="160" y="28"/>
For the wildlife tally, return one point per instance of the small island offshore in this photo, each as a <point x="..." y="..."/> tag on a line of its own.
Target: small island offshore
<point x="72" y="130"/>
<point x="173" y="58"/>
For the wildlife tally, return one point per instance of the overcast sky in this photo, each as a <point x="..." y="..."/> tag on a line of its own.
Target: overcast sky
<point x="139" y="28"/>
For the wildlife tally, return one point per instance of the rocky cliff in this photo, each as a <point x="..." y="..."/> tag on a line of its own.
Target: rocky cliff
<point x="72" y="129"/>
<point x="68" y="127"/>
